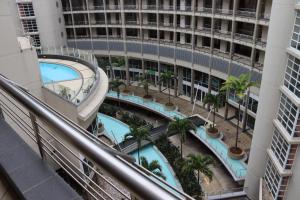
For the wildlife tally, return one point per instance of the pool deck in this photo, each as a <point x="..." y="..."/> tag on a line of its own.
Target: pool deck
<point x="74" y="85"/>
<point x="237" y="174"/>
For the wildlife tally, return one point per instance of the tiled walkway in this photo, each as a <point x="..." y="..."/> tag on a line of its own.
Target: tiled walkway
<point x="185" y="107"/>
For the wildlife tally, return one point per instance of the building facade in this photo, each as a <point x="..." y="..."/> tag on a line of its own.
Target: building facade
<point x="201" y="41"/>
<point x="274" y="155"/>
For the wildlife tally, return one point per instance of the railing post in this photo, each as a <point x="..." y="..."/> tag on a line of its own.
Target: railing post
<point x="1" y="113"/>
<point x="37" y="134"/>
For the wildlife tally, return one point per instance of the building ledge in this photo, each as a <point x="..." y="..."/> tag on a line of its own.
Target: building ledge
<point x="285" y="134"/>
<point x="280" y="169"/>
<point x="291" y="95"/>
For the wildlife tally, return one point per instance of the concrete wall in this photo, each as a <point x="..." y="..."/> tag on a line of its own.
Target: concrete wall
<point x="280" y="29"/>
<point x="50" y="22"/>
<point x="17" y="63"/>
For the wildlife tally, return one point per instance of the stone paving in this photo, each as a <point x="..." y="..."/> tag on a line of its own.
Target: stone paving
<point x="185" y="107"/>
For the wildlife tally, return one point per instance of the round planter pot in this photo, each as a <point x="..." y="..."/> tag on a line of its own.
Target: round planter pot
<point x="119" y="115"/>
<point x="236" y="153"/>
<point x="147" y="98"/>
<point x="126" y="92"/>
<point x="169" y="107"/>
<point x="213" y="133"/>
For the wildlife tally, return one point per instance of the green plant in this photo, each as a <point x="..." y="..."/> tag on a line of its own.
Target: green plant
<point x="119" y="62"/>
<point x="240" y="86"/>
<point x="186" y="178"/>
<point x="181" y="126"/>
<point x="145" y="83"/>
<point x="138" y="134"/>
<point x="201" y="164"/>
<point x="115" y="85"/>
<point x="153" y="167"/>
<point x="167" y="77"/>
<point x="64" y="92"/>
<point x="212" y="100"/>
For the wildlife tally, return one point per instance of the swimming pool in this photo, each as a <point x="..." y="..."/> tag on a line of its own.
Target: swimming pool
<point x="237" y="168"/>
<point x="53" y="72"/>
<point x="115" y="129"/>
<point x="150" y="152"/>
<point x="149" y="104"/>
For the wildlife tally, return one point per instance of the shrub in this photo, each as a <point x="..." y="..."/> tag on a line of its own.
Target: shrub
<point x="186" y="178"/>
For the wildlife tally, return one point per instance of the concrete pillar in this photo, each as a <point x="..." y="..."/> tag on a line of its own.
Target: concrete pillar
<point x="180" y="80"/>
<point x="182" y="38"/>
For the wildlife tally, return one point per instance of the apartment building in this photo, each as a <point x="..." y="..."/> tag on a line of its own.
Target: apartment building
<point x="274" y="156"/>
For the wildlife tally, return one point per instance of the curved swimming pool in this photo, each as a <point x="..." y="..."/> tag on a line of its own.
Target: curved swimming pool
<point x="117" y="129"/>
<point x="54" y="72"/>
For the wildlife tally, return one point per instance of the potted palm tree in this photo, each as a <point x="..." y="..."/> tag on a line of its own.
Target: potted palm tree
<point x="64" y="92"/>
<point x="120" y="63"/>
<point x="138" y="134"/>
<point x="240" y="86"/>
<point x="212" y="100"/>
<point x="199" y="163"/>
<point x="181" y="126"/>
<point x="116" y="85"/>
<point x="145" y="83"/>
<point x="153" y="167"/>
<point x="166" y="77"/>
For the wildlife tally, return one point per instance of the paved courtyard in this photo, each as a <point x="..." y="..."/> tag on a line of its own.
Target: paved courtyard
<point x="185" y="106"/>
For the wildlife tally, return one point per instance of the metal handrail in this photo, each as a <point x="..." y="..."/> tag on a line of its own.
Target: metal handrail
<point x="139" y="184"/>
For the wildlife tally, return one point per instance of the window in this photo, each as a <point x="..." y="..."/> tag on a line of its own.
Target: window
<point x="275" y="183"/>
<point x="287" y="114"/>
<point x="296" y="32"/>
<point x="292" y="75"/>
<point x="280" y="147"/>
<point x="25" y="9"/>
<point x="29" y="25"/>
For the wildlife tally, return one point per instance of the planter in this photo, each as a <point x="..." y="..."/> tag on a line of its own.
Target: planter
<point x="126" y="92"/>
<point x="169" y="106"/>
<point x="147" y="98"/>
<point x="100" y="128"/>
<point x="236" y="153"/>
<point x="119" y="115"/>
<point x="213" y="132"/>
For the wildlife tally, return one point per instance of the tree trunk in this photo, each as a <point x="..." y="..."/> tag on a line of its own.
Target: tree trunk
<point x="237" y="126"/>
<point x="214" y="117"/>
<point x="169" y="93"/>
<point x="198" y="176"/>
<point x="181" y="148"/>
<point x="138" y="150"/>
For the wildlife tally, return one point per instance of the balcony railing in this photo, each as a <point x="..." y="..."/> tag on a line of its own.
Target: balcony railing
<point x="130" y="7"/>
<point x="223" y="11"/>
<point x="99" y="171"/>
<point x="204" y="9"/>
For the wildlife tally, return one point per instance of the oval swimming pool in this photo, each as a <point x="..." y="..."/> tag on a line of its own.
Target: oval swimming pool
<point x="53" y="72"/>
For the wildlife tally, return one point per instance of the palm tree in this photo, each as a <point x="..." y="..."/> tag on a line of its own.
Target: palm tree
<point x="167" y="78"/>
<point x="212" y="100"/>
<point x="153" y="167"/>
<point x="119" y="62"/>
<point x="145" y="83"/>
<point x="138" y="134"/>
<point x="181" y="126"/>
<point x="201" y="164"/>
<point x="240" y="86"/>
<point x="115" y="85"/>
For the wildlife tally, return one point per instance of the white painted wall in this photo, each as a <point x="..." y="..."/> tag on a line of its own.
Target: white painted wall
<point x="280" y="28"/>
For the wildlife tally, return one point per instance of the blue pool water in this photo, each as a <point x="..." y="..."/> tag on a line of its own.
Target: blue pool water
<point x="52" y="72"/>
<point x="237" y="167"/>
<point x="113" y="127"/>
<point x="151" y="153"/>
<point x="149" y="104"/>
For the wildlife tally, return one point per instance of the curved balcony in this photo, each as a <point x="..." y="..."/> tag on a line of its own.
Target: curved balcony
<point x="78" y="88"/>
